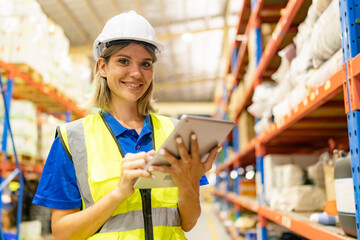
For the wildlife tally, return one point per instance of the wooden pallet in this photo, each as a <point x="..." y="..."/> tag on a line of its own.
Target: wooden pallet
<point x="23" y="159"/>
<point x="23" y="67"/>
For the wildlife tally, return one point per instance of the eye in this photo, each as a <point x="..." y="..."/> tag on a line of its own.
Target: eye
<point x="146" y="65"/>
<point x="124" y="61"/>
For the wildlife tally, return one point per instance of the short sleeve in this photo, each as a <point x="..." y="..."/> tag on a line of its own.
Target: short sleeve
<point x="204" y="180"/>
<point x="58" y="186"/>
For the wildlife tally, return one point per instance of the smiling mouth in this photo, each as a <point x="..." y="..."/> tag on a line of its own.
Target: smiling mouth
<point x="132" y="85"/>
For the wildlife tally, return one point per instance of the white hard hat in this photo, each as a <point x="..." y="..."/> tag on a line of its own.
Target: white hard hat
<point x="126" y="26"/>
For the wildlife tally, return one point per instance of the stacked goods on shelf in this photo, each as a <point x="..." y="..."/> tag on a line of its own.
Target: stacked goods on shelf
<point x="285" y="188"/>
<point x="305" y="65"/>
<point x="261" y="107"/>
<point x="24" y="127"/>
<point x="24" y="34"/>
<point x="246" y="133"/>
<point x="47" y="133"/>
<point x="29" y="39"/>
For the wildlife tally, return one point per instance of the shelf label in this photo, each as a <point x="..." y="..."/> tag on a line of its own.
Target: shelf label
<point x="327" y="85"/>
<point x="344" y="190"/>
<point x="305" y="102"/>
<point x="286" y="221"/>
<point x="312" y="96"/>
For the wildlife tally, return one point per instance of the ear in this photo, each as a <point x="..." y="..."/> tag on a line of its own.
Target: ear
<point x="102" y="67"/>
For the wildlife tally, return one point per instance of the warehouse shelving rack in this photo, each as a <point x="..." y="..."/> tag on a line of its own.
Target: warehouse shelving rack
<point x="28" y="85"/>
<point x="328" y="116"/>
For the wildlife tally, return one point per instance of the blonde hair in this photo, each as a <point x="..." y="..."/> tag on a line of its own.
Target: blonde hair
<point x="101" y="95"/>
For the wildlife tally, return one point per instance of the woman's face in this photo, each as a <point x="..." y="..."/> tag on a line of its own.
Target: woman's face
<point x="129" y="72"/>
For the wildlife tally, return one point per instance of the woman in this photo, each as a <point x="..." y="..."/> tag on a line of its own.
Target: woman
<point x="89" y="175"/>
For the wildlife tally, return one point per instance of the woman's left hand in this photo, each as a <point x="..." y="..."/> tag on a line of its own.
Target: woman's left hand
<point x="189" y="168"/>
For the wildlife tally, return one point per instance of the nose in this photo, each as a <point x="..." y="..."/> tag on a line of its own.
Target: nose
<point x="135" y="72"/>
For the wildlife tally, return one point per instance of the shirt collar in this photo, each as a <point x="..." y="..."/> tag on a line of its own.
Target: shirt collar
<point x="118" y="129"/>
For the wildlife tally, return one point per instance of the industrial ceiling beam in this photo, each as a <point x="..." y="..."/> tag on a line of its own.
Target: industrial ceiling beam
<point x="115" y="6"/>
<point x="188" y="49"/>
<point x="87" y="49"/>
<point x="183" y="83"/>
<point x="225" y="41"/>
<point x="75" y="22"/>
<point x="139" y="8"/>
<point x="167" y="25"/>
<point x="95" y="16"/>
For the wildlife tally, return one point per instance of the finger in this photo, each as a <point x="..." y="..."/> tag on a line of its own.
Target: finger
<point x="135" y="164"/>
<point x="151" y="153"/>
<point x="173" y="161"/>
<point x="162" y="169"/>
<point x="194" y="147"/>
<point x="134" y="156"/>
<point x="148" y="159"/>
<point x="183" y="152"/>
<point x="210" y="159"/>
<point x="136" y="173"/>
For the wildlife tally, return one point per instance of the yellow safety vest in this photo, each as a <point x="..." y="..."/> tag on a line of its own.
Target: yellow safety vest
<point x="97" y="158"/>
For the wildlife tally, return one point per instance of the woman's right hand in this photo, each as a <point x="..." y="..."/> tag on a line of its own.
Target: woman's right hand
<point x="133" y="165"/>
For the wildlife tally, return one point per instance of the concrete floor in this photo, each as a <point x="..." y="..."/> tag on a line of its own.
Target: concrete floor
<point x="208" y="226"/>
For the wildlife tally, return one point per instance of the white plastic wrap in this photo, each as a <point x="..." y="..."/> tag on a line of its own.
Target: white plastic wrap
<point x="263" y="124"/>
<point x="282" y="90"/>
<point x="316" y="174"/>
<point x="24" y="127"/>
<point x="299" y="198"/>
<point x="48" y="128"/>
<point x="326" y="70"/>
<point x="288" y="175"/>
<point x="280" y="110"/>
<point x="326" y="35"/>
<point x="287" y="54"/>
<point x="264" y="91"/>
<point x="321" y="5"/>
<point x="28" y="37"/>
<point x="297" y="95"/>
<point x="305" y="29"/>
<point x="260" y="99"/>
<point x="271" y="161"/>
<point x="303" y="60"/>
<point x="24" y="145"/>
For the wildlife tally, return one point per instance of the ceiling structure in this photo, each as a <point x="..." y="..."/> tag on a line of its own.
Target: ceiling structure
<point x="196" y="35"/>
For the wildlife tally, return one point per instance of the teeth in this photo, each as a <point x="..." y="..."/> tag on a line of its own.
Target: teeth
<point x="133" y="85"/>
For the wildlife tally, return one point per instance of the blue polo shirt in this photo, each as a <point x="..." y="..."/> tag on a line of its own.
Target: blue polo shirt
<point x="58" y="187"/>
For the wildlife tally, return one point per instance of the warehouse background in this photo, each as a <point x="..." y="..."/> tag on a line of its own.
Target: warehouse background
<point x="285" y="71"/>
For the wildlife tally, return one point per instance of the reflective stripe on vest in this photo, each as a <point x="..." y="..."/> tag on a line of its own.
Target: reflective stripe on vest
<point x="77" y="147"/>
<point x="97" y="161"/>
<point x="161" y="216"/>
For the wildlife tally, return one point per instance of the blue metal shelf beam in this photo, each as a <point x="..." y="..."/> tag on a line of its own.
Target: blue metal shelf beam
<point x="350" y="40"/>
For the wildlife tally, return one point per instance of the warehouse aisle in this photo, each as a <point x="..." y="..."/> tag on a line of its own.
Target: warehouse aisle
<point x="208" y="226"/>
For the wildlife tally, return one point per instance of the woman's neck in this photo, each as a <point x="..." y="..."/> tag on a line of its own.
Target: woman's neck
<point x="127" y="115"/>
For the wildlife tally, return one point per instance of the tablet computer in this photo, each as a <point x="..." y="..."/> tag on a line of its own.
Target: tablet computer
<point x="210" y="132"/>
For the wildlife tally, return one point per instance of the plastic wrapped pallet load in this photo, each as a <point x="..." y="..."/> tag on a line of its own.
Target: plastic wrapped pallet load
<point x="299" y="198"/>
<point x="325" y="40"/>
<point x="24" y="127"/>
<point x="48" y="129"/>
<point x="24" y="34"/>
<point x="273" y="160"/>
<point x="325" y="71"/>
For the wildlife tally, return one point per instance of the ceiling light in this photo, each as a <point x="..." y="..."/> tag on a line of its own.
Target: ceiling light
<point x="187" y="37"/>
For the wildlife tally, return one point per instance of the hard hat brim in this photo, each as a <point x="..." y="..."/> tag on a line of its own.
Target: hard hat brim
<point x="100" y="45"/>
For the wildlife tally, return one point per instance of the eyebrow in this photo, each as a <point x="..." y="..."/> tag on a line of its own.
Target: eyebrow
<point x="123" y="55"/>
